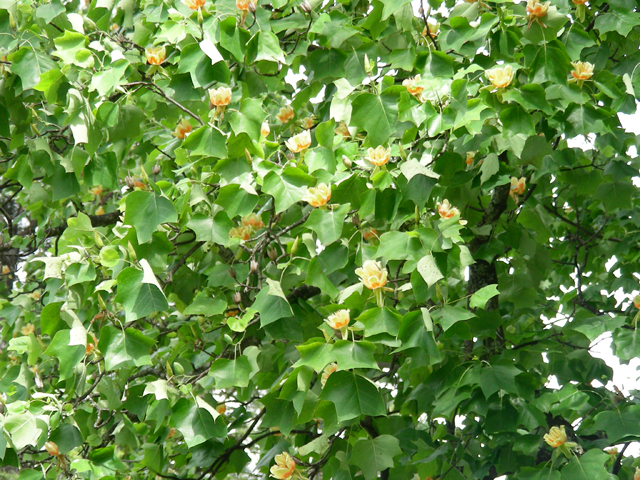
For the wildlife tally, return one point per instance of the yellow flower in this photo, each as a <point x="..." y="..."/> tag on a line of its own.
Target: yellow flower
<point x="556" y="436"/>
<point x="243" y="233"/>
<point x="243" y="5"/>
<point x="517" y="186"/>
<point x="284" y="467"/>
<point x="97" y="190"/>
<point x="445" y="210"/>
<point x="220" y="97"/>
<point x="193" y="4"/>
<point x="434" y="28"/>
<point x="536" y="11"/>
<point x="28" y="329"/>
<point x="636" y="301"/>
<point x="339" y="319"/>
<point x="52" y="449"/>
<point x="582" y="70"/>
<point x="265" y="130"/>
<point x="500" y="77"/>
<point x="318" y="196"/>
<point x="182" y="128"/>
<point x="221" y="408"/>
<point x="155" y="55"/>
<point x="307" y="122"/>
<point x="379" y="156"/>
<point x="343" y="130"/>
<point x="252" y="220"/>
<point x="328" y="370"/>
<point x="611" y="451"/>
<point x="285" y="114"/>
<point x="299" y="142"/>
<point x="413" y="86"/>
<point x="372" y="274"/>
<point x="579" y="2"/>
<point x="636" y="476"/>
<point x="470" y="157"/>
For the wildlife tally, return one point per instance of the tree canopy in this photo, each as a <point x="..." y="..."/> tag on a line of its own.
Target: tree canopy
<point x="344" y="240"/>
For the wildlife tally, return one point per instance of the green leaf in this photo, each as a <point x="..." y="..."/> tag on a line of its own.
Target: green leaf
<point x="105" y="81"/>
<point x="70" y="49"/>
<point x="124" y="348"/>
<point x="50" y="320"/>
<point x="288" y="187"/>
<point x="619" y="425"/>
<point x="375" y="455"/>
<point x="448" y="316"/>
<point x="327" y="224"/>
<point x="271" y="303"/>
<point x="69" y="356"/>
<point x="429" y="270"/>
<point x="353" y="395"/>
<point x="498" y="376"/>
<point x="377" y="115"/>
<point x="589" y="466"/>
<point x="316" y="355"/>
<point x="480" y="298"/>
<point x="145" y="211"/>
<point x="249" y="118"/>
<point x="354" y="354"/>
<point x="618" y="20"/>
<point x="67" y="437"/>
<point x="197" y="425"/>
<point x="516" y="120"/>
<point x="29" y="66"/>
<point x="205" y="304"/>
<point x="269" y="48"/>
<point x="316" y="277"/>
<point x="399" y="246"/>
<point x="24" y="429"/>
<point x="231" y="373"/>
<point x="551" y="64"/>
<point x="208" y="141"/>
<point x="380" y="320"/>
<point x="139" y="293"/>
<point x="615" y="195"/>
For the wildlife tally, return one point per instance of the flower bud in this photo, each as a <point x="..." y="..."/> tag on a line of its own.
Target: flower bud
<point x="252" y="7"/>
<point x="232" y="273"/>
<point x="272" y="253"/>
<point x="355" y="220"/>
<point x="237" y="298"/>
<point x="52" y="449"/>
<point x="131" y="183"/>
<point x="156" y="169"/>
<point x="254" y="266"/>
<point x="346" y="161"/>
<point x="305" y="7"/>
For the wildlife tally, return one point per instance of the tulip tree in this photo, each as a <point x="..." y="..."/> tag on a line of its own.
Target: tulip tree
<point x="341" y="240"/>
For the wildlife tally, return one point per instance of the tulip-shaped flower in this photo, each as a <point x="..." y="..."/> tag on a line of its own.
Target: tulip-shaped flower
<point x="284" y="467"/>
<point x="339" y="321"/>
<point x="636" y="476"/>
<point x="299" y="142"/>
<point x="254" y="221"/>
<point x="155" y="55"/>
<point x="182" y="128"/>
<point x="264" y="129"/>
<point x="557" y="438"/>
<point x="500" y="77"/>
<point x="446" y="211"/>
<point x="318" y="196"/>
<point x="374" y="277"/>
<point x="581" y="71"/>
<point x="220" y="97"/>
<point x="636" y="301"/>
<point x="194" y="4"/>
<point x="518" y="186"/>
<point x="536" y="11"/>
<point x="378" y="156"/>
<point x="414" y="87"/>
<point x="326" y="373"/>
<point x="285" y="114"/>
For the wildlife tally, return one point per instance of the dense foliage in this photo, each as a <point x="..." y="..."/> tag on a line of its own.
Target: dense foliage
<point x="212" y="268"/>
